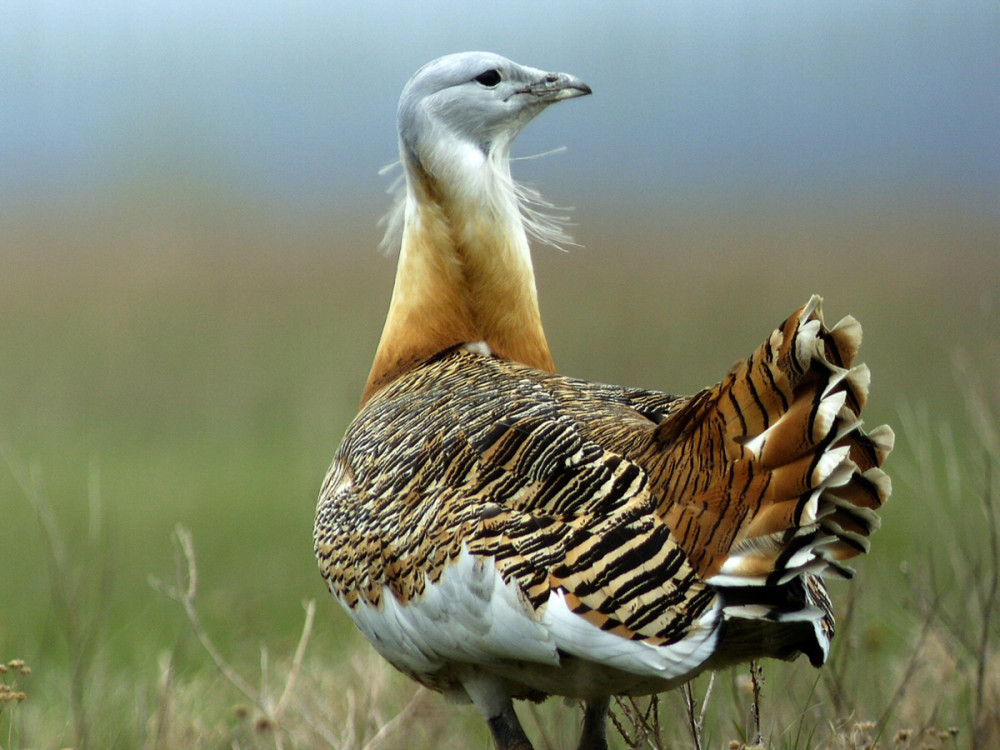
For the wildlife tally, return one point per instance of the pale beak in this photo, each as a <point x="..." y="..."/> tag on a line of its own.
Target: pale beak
<point x="555" y="87"/>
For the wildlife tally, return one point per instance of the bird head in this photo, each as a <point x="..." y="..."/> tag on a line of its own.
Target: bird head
<point x="473" y="105"/>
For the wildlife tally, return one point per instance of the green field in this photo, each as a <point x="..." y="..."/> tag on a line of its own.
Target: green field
<point x="182" y="361"/>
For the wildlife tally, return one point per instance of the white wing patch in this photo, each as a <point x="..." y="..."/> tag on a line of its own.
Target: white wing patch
<point x="470" y="616"/>
<point x="471" y="619"/>
<point x="576" y="636"/>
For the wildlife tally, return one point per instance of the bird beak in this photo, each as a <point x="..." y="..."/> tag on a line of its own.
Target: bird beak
<point x="554" y="87"/>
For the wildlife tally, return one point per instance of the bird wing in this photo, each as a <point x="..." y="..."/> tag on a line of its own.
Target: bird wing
<point x="469" y="517"/>
<point x="629" y="511"/>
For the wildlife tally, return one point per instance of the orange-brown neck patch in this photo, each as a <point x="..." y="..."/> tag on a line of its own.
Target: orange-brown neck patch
<point x="463" y="275"/>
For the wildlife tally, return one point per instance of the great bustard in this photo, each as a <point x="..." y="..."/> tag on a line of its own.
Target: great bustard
<point x="499" y="531"/>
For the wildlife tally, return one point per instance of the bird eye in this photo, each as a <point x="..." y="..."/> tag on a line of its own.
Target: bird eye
<point x="489" y="79"/>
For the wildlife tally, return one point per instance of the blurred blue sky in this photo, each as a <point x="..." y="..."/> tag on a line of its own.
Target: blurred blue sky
<point x="295" y="101"/>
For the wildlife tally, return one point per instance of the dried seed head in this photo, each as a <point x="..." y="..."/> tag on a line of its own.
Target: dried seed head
<point x="25" y="671"/>
<point x="15" y="663"/>
<point x="264" y="724"/>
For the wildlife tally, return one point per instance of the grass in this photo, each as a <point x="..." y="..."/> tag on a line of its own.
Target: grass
<point x="195" y="364"/>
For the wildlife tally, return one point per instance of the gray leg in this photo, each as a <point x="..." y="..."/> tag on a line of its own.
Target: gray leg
<point x="492" y="698"/>
<point x="507" y="732"/>
<point x="595" y="715"/>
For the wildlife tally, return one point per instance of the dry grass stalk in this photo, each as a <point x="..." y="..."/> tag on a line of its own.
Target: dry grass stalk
<point x="697" y="723"/>
<point x="964" y="574"/>
<point x="184" y="593"/>
<point x="643" y="730"/>
<point x="305" y="714"/>
<point x="12" y="695"/>
<point x="79" y="598"/>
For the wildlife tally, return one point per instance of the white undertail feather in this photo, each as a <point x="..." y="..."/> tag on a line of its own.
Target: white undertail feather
<point x="500" y="531"/>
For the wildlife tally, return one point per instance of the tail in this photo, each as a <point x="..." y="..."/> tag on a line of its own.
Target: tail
<point x="768" y="479"/>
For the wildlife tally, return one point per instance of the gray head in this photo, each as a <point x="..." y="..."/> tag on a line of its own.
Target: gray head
<point x="474" y="99"/>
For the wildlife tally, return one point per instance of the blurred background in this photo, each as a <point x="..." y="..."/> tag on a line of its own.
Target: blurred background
<point x="190" y="293"/>
<point x="296" y="105"/>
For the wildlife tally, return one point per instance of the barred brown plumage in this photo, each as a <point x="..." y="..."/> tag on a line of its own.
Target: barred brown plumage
<point x="499" y="531"/>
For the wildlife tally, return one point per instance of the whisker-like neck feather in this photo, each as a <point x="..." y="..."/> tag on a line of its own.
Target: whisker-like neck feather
<point x="464" y="271"/>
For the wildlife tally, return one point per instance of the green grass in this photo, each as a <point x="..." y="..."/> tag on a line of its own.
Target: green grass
<point x="196" y="363"/>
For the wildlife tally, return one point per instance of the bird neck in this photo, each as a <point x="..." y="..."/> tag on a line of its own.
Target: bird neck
<point x="464" y="272"/>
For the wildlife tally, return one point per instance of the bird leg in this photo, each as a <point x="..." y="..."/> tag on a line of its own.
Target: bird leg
<point x="506" y="730"/>
<point x="595" y="714"/>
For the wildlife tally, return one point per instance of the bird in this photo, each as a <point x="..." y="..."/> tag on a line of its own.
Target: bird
<point x="500" y="531"/>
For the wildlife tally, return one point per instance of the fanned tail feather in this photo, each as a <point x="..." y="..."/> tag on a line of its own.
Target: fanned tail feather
<point x="768" y="476"/>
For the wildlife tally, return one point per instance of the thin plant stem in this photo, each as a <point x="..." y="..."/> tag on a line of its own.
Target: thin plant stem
<point x="757" y="680"/>
<point x="991" y="597"/>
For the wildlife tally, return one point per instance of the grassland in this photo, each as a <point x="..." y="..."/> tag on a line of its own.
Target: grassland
<point x="182" y="361"/>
